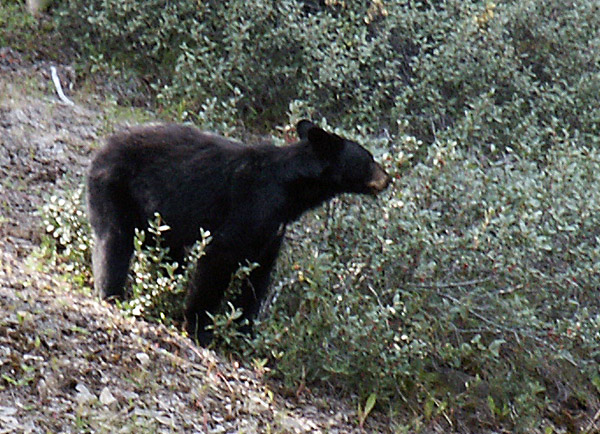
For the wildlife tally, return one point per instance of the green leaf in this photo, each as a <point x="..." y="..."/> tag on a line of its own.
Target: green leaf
<point x="596" y="382"/>
<point x="495" y="347"/>
<point x="370" y="403"/>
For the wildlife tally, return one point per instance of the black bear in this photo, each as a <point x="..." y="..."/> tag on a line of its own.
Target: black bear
<point x="244" y="195"/>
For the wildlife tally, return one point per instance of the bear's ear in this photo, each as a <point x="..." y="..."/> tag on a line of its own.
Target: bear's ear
<point x="323" y="143"/>
<point x="302" y="128"/>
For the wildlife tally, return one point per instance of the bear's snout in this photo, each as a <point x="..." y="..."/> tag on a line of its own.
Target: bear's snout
<point x="379" y="179"/>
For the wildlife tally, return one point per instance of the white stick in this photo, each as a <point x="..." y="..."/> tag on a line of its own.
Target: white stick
<point x="58" y="87"/>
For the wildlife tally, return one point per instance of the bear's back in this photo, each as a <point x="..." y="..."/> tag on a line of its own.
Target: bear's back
<point x="168" y="138"/>
<point x="162" y="147"/>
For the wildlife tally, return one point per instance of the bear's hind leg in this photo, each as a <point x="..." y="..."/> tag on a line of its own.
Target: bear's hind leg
<point x="110" y="261"/>
<point x="112" y="214"/>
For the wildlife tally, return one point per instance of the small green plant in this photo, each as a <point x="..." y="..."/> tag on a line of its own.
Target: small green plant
<point x="27" y="375"/>
<point x="67" y="240"/>
<point x="363" y="413"/>
<point x="226" y="329"/>
<point x="158" y="285"/>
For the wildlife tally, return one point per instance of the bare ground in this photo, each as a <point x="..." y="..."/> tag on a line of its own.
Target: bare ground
<point x="70" y="363"/>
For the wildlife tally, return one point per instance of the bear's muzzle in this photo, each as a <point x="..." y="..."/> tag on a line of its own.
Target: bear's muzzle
<point x="379" y="179"/>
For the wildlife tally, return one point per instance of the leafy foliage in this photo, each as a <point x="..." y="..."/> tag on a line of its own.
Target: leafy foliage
<point x="158" y="285"/>
<point x="512" y="74"/>
<point x="67" y="241"/>
<point x="467" y="274"/>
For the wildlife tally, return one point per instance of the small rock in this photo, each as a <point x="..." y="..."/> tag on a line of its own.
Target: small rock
<point x="165" y="421"/>
<point x="290" y="424"/>
<point x="8" y="411"/>
<point x="143" y="358"/>
<point x="84" y="396"/>
<point x="106" y="397"/>
<point x="256" y="405"/>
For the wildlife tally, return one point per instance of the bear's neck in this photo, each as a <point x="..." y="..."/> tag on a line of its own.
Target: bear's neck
<point x="302" y="182"/>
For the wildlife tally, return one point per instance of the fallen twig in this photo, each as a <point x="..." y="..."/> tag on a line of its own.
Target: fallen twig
<point x="57" y="85"/>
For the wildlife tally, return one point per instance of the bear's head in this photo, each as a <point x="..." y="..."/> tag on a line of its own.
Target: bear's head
<point x="346" y="166"/>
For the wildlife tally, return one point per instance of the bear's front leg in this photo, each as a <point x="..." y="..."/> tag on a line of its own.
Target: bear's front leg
<point x="255" y="288"/>
<point x="206" y="292"/>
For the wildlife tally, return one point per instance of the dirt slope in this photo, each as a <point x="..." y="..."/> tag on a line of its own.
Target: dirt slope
<point x="71" y="364"/>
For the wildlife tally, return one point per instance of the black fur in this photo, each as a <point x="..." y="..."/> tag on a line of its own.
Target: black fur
<point x="244" y="195"/>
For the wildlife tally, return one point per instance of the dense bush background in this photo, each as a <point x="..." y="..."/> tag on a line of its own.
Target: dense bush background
<point x="514" y="73"/>
<point x="467" y="293"/>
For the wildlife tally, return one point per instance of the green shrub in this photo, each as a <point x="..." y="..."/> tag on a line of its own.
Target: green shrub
<point x="253" y="54"/>
<point x="158" y="285"/>
<point x="67" y="241"/>
<point x="468" y="283"/>
<point x="506" y="75"/>
<point x="227" y="325"/>
<point x="145" y="36"/>
<point x="490" y="76"/>
<point x="19" y="29"/>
